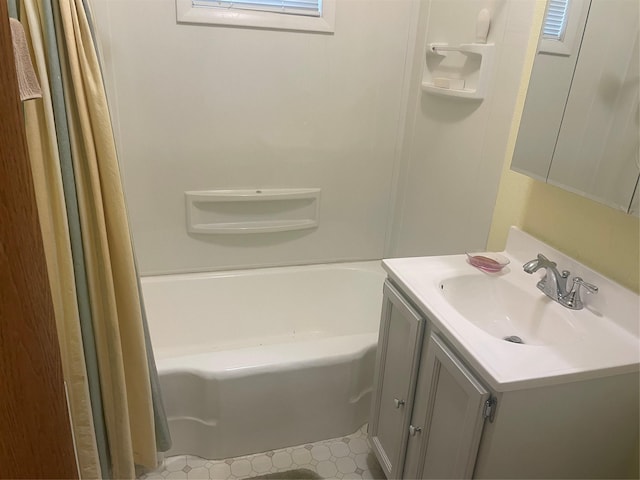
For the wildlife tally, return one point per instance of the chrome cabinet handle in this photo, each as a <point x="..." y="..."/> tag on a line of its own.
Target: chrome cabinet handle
<point x="413" y="430"/>
<point x="398" y="403"/>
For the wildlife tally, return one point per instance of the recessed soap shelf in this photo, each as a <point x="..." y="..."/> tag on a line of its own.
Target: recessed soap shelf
<point x="252" y="211"/>
<point x="456" y="87"/>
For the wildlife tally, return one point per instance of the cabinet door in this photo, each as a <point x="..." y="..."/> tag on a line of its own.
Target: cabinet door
<point x="394" y="383"/>
<point x="448" y="417"/>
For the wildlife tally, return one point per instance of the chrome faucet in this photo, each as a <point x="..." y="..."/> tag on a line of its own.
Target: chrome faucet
<point x="554" y="283"/>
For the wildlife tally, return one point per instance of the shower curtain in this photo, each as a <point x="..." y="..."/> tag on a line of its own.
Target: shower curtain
<point x="115" y="405"/>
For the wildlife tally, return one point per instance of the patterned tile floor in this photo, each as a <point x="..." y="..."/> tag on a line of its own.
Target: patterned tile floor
<point x="338" y="458"/>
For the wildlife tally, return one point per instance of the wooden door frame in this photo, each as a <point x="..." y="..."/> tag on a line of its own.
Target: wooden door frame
<point x="35" y="431"/>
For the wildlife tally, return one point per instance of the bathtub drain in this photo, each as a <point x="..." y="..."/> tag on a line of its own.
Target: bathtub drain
<point x="513" y="339"/>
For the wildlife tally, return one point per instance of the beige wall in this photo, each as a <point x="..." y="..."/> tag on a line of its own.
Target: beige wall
<point x="598" y="236"/>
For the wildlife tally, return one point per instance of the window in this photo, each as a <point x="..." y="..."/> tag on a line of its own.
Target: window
<point x="311" y="8"/>
<point x="302" y="15"/>
<point x="555" y="19"/>
<point x="562" y="26"/>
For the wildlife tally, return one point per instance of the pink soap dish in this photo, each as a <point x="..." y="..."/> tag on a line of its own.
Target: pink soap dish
<point x="488" y="261"/>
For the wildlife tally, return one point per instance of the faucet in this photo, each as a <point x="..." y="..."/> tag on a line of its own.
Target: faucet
<point x="554" y="283"/>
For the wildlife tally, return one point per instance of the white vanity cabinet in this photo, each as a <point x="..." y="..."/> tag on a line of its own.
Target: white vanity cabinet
<point x="449" y="412"/>
<point x="433" y="416"/>
<point x="397" y="359"/>
<point x="428" y="408"/>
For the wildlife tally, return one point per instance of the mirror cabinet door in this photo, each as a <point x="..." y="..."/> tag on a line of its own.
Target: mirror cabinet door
<point x="580" y="128"/>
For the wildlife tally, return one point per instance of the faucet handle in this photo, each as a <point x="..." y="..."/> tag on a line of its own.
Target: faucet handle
<point x="562" y="282"/>
<point x="572" y="300"/>
<point x="579" y="282"/>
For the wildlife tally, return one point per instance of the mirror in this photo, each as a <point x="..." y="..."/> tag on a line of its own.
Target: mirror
<point x="580" y="124"/>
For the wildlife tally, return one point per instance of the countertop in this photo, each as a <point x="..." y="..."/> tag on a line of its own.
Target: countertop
<point x="607" y="331"/>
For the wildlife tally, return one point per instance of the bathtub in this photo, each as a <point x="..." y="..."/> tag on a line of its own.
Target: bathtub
<point x="254" y="360"/>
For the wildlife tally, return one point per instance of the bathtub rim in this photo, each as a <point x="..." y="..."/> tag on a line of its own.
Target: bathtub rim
<point x="228" y="363"/>
<point x="372" y="266"/>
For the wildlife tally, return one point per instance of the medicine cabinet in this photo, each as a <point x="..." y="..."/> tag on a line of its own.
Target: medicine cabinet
<point x="579" y="128"/>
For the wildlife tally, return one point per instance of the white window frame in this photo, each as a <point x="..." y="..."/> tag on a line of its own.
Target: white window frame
<point x="576" y="12"/>
<point x="187" y="13"/>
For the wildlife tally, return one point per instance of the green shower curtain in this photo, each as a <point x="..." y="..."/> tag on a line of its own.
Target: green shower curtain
<point x="115" y="404"/>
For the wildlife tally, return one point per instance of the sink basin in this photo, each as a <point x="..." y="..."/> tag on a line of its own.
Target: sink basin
<point x="509" y="312"/>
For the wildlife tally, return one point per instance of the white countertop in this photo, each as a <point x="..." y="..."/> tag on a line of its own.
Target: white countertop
<point x="607" y="342"/>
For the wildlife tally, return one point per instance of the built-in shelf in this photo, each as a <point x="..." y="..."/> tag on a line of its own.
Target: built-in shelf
<point x="473" y="88"/>
<point x="252" y="211"/>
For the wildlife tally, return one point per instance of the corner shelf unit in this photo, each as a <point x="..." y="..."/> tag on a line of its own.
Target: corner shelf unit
<point x="480" y="52"/>
<point x="252" y="211"/>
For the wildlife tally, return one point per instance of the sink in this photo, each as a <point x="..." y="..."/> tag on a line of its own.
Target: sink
<point x="476" y="311"/>
<point x="507" y="311"/>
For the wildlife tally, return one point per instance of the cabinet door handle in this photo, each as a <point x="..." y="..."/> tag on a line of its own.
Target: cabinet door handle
<point x="398" y="403"/>
<point x="413" y="430"/>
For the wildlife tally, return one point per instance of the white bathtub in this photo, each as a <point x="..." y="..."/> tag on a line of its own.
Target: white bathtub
<point x="254" y="360"/>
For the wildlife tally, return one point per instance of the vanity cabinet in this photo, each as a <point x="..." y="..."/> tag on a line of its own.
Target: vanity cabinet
<point x="397" y="359"/>
<point x="428" y="408"/>
<point x="449" y="412"/>
<point x="433" y="416"/>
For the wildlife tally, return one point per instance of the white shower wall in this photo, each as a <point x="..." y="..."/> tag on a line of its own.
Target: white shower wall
<point x="206" y="107"/>
<point x="454" y="149"/>
<point x="402" y="172"/>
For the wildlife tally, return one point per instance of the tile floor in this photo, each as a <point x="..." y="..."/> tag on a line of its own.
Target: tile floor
<point x="338" y="458"/>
